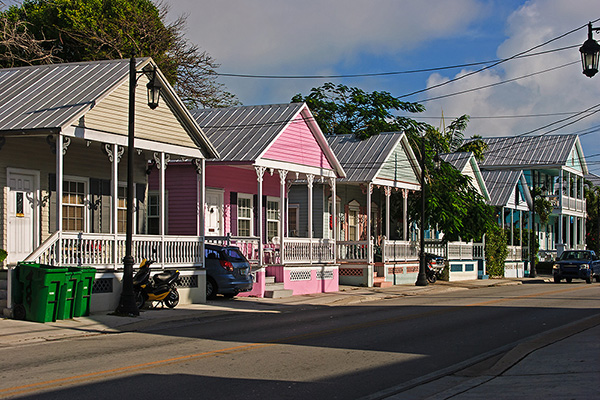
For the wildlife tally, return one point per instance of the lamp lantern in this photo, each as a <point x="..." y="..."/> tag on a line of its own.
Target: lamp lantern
<point x="590" y="53"/>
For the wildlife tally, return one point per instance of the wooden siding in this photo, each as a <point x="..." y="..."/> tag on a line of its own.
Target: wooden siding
<point x="80" y="161"/>
<point x="298" y="145"/>
<point x="397" y="167"/>
<point x="299" y="195"/>
<point x="160" y="125"/>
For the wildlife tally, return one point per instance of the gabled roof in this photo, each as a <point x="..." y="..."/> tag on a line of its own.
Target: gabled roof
<point x="54" y="97"/>
<point x="466" y="163"/>
<point x="525" y="152"/>
<point x="501" y="185"/>
<point x="364" y="159"/>
<point x="244" y="133"/>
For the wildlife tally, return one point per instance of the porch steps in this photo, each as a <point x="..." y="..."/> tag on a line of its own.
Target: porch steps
<point x="379" y="281"/>
<point x="275" y="290"/>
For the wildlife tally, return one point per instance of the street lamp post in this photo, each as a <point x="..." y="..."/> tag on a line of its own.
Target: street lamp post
<point x="127" y="304"/>
<point x="590" y="53"/>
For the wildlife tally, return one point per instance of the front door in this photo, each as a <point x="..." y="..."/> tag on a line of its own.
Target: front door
<point x="214" y="212"/>
<point x="22" y="202"/>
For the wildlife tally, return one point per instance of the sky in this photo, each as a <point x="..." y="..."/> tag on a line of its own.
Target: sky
<point x="345" y="37"/>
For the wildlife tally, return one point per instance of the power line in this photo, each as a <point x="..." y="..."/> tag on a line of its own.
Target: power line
<point x="374" y="74"/>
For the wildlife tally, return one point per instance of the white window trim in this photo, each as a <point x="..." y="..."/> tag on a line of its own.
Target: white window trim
<point x="157" y="194"/>
<point x="278" y="201"/>
<point x="86" y="200"/>
<point x="251" y="198"/>
<point x="354" y="206"/>
<point x="296" y="209"/>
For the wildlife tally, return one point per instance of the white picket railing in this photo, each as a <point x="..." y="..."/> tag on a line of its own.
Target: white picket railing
<point x="306" y="250"/>
<point x="353" y="251"/>
<point x="399" y="250"/>
<point x="456" y="250"/>
<point x="248" y="245"/>
<point x="106" y="250"/>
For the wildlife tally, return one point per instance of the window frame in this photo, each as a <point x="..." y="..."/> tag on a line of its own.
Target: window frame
<point x="250" y="198"/>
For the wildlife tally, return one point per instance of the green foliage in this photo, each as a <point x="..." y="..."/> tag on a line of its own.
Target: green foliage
<point x="496" y="251"/>
<point x="87" y="30"/>
<point x="592" y="226"/>
<point x="3" y="255"/>
<point x="543" y="206"/>
<point x="339" y="109"/>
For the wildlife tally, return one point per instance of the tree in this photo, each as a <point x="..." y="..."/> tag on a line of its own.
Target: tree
<point x="86" y="30"/>
<point x="592" y="226"/>
<point x="453" y="204"/>
<point x="339" y="109"/>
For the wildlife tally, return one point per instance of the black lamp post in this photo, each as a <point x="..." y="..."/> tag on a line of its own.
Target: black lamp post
<point x="127" y="304"/>
<point x="422" y="276"/>
<point x="590" y="53"/>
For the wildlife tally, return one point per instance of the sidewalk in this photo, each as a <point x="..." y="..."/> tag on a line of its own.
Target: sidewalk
<point x="559" y="364"/>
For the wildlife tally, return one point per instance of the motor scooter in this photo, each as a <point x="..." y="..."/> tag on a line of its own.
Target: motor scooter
<point x="162" y="288"/>
<point x="433" y="272"/>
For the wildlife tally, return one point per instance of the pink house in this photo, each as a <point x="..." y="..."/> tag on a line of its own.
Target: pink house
<point x="263" y="150"/>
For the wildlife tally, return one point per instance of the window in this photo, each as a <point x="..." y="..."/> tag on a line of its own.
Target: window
<point x="122" y="209"/>
<point x="353" y="222"/>
<point x="244" y="215"/>
<point x="338" y="221"/>
<point x="153" y="214"/>
<point x="292" y="222"/>
<point x="73" y="206"/>
<point x="272" y="218"/>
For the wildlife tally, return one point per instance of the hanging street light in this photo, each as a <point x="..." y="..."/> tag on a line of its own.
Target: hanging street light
<point x="590" y="53"/>
<point x="127" y="304"/>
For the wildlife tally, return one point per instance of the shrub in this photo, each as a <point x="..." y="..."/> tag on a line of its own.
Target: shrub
<point x="496" y="251"/>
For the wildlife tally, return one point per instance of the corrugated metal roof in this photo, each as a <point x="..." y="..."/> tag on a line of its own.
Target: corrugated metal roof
<point x="362" y="159"/>
<point x="243" y="133"/>
<point x="501" y="185"/>
<point x="457" y="160"/>
<point x="545" y="150"/>
<point x="51" y="96"/>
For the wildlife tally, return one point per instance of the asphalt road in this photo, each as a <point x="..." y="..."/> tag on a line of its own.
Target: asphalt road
<point x="307" y="352"/>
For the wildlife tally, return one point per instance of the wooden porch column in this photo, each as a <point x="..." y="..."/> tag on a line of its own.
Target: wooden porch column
<point x="369" y="241"/>
<point x="388" y="194"/>
<point x="333" y="217"/>
<point x="310" y="178"/>
<point x="115" y="158"/>
<point x="162" y="166"/>
<point x="59" y="193"/>
<point x="200" y="166"/>
<point x="282" y="212"/>
<point x="560" y="204"/>
<point x="260" y="172"/>
<point x="404" y="214"/>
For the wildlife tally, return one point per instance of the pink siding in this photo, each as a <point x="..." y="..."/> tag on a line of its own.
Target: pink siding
<point x="238" y="180"/>
<point x="180" y="185"/>
<point x="298" y="145"/>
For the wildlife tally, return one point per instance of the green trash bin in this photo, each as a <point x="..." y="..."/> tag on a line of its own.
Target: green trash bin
<point x="40" y="291"/>
<point x="83" y="296"/>
<point x="66" y="305"/>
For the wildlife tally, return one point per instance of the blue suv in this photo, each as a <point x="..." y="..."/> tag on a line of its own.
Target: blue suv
<point x="228" y="272"/>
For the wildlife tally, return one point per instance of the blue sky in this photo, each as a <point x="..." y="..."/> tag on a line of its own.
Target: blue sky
<point x="337" y="37"/>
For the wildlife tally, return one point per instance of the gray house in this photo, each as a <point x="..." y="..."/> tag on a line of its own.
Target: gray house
<point x="63" y="141"/>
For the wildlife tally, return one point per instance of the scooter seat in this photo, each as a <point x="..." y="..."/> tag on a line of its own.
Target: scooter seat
<point x="166" y="277"/>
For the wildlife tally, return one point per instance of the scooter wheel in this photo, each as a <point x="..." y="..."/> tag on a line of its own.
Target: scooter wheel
<point x="432" y="278"/>
<point x="172" y="298"/>
<point x="139" y="299"/>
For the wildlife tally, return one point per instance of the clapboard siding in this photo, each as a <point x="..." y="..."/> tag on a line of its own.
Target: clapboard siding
<point x="160" y="125"/>
<point x="397" y="167"/>
<point x="299" y="195"/>
<point x="298" y="145"/>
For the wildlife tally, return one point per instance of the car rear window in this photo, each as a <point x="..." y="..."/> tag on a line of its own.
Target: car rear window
<point x="234" y="254"/>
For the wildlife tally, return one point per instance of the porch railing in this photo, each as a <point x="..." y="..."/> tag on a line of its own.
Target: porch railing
<point x="248" y="245"/>
<point x="456" y="250"/>
<point x="353" y="251"/>
<point x="306" y="250"/>
<point x="399" y="250"/>
<point x="107" y="250"/>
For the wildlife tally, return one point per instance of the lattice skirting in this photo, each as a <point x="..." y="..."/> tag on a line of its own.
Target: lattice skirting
<point x="300" y="275"/>
<point x="325" y="275"/>
<point x="103" y="285"/>
<point x="351" y="271"/>
<point x="395" y="270"/>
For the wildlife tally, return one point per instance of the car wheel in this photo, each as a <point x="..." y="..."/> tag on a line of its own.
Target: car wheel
<point x="556" y="279"/>
<point x="589" y="279"/>
<point x="569" y="280"/>
<point x="211" y="288"/>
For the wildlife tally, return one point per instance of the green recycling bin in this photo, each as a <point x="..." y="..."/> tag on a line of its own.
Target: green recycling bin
<point x="68" y="294"/>
<point x="40" y="291"/>
<point x="83" y="295"/>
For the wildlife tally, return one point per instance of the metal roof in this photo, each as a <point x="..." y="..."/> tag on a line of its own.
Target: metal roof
<point x="457" y="160"/>
<point x="243" y="133"/>
<point x="520" y="151"/>
<point x="51" y="96"/>
<point x="501" y="185"/>
<point x="362" y="159"/>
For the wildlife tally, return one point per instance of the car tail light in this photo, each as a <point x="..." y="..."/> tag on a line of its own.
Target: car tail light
<point x="226" y="265"/>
